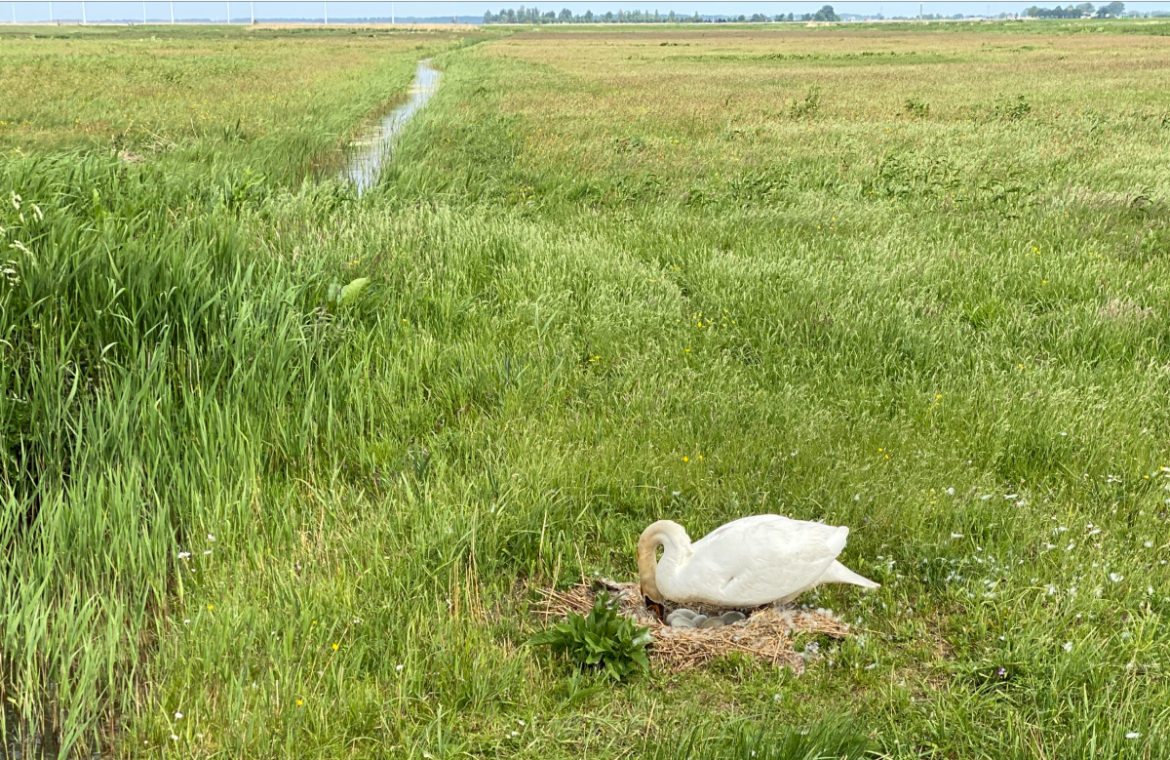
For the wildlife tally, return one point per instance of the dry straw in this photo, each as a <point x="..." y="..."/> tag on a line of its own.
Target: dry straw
<point x="766" y="633"/>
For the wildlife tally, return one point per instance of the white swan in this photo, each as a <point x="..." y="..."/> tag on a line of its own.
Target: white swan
<point x="746" y="563"/>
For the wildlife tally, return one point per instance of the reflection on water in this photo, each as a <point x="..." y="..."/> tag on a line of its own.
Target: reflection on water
<point x="22" y="741"/>
<point x="373" y="151"/>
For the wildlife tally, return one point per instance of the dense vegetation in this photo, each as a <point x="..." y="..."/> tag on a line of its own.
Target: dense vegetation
<point x="877" y="278"/>
<point x="1084" y="10"/>
<point x="533" y="15"/>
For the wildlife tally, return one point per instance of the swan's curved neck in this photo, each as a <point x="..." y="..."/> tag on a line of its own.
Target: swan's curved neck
<point x="674" y="540"/>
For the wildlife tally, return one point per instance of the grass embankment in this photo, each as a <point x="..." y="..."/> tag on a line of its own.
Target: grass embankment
<point x="618" y="276"/>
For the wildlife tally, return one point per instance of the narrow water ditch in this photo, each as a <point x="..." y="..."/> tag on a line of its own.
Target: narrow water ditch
<point x="374" y="149"/>
<point x="367" y="155"/>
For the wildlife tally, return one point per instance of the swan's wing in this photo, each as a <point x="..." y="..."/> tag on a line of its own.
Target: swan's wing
<point x="758" y="559"/>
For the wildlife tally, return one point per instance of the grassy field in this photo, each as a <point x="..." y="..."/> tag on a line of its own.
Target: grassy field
<point x="910" y="280"/>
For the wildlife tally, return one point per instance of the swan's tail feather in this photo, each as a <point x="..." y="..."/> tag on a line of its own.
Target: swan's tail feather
<point x="836" y="540"/>
<point x="838" y="573"/>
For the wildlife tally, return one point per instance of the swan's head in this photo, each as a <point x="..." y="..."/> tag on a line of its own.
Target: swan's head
<point x="664" y="533"/>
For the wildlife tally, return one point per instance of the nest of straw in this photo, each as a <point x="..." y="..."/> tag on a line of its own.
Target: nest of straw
<point x="767" y="633"/>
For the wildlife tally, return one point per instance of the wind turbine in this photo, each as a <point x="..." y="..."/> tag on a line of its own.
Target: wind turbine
<point x="143" y="11"/>
<point x="83" y="12"/>
<point x="172" y="11"/>
<point x="327" y="12"/>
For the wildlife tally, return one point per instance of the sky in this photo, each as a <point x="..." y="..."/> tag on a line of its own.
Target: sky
<point x="471" y="10"/>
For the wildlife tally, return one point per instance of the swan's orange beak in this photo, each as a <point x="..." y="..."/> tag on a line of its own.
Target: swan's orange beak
<point x="658" y="610"/>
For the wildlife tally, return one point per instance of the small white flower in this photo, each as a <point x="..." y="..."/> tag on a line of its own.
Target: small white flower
<point x="956" y="535"/>
<point x="178" y="715"/>
<point x="1012" y="496"/>
<point x="521" y="722"/>
<point x="186" y="621"/>
<point x="184" y="555"/>
<point x="1133" y="735"/>
<point x="1068" y="646"/>
<point x="950" y="492"/>
<point x="985" y="497"/>
<point x="207" y="552"/>
<point x="398" y="668"/>
<point x="210" y="536"/>
<point x="1116" y="578"/>
<point x="1070" y="546"/>
<point x="174" y="738"/>
<point x="1148" y="544"/>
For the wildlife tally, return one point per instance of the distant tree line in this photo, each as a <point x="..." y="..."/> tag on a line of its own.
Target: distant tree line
<point x="534" y="15"/>
<point x="1084" y="10"/>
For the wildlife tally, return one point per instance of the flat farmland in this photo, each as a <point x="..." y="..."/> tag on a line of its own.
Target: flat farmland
<point x="908" y="279"/>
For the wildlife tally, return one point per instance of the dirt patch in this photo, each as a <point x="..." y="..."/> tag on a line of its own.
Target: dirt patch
<point x="767" y="633"/>
<point x="1117" y="309"/>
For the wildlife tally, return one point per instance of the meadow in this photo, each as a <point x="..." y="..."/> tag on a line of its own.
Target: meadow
<point x="912" y="280"/>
